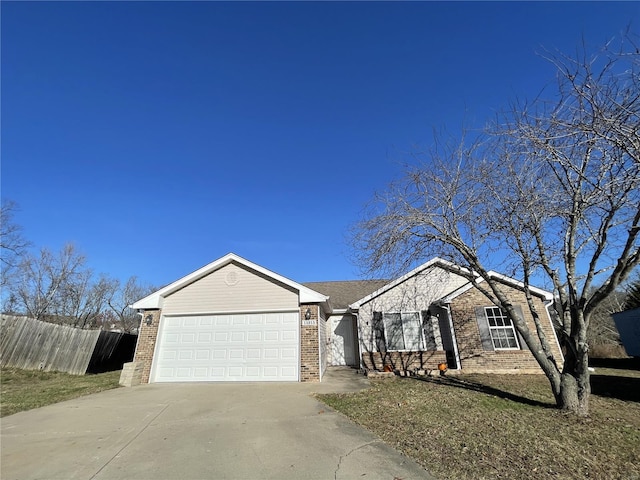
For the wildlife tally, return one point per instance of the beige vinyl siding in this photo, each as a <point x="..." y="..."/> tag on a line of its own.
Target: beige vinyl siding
<point x="232" y="288"/>
<point x="413" y="295"/>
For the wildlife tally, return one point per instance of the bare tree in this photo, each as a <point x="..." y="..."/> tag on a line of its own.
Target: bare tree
<point x="43" y="279"/>
<point x="81" y="300"/>
<point x="550" y="190"/>
<point x="122" y="296"/>
<point x="13" y="245"/>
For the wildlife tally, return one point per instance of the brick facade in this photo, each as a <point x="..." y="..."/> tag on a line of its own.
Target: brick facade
<point x="474" y="358"/>
<point x="147" y="337"/>
<point x="309" y="346"/>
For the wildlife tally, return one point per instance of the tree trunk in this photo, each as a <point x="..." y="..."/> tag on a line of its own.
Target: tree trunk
<point x="575" y="387"/>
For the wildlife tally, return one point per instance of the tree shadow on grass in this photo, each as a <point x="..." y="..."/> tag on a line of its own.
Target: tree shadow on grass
<point x="481" y="388"/>
<point x="631" y="363"/>
<point x="610" y="386"/>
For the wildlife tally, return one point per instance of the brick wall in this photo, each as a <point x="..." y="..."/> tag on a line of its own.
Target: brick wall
<point x="404" y="361"/>
<point x="309" y="347"/>
<point x="474" y="358"/>
<point x="147" y="337"/>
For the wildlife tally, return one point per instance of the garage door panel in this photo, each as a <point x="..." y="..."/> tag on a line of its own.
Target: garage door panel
<point x="245" y="347"/>
<point x="203" y="354"/>
<point x="254" y="336"/>
<point x="167" y="354"/>
<point x="205" y="337"/>
<point x="289" y="335"/>
<point x="222" y="337"/>
<point x="186" y="355"/>
<point x="172" y="338"/>
<point x="172" y="322"/>
<point x="237" y="337"/>
<point x="254" y="353"/>
<point x="288" y="353"/>
<point x="219" y="353"/>
<point x="271" y="336"/>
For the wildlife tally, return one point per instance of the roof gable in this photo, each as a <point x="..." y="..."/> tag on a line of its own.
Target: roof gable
<point x="155" y="300"/>
<point x="511" y="282"/>
<point x="453" y="268"/>
<point x="434" y="262"/>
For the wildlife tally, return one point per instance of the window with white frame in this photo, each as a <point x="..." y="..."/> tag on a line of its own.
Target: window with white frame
<point x="503" y="333"/>
<point x="403" y="331"/>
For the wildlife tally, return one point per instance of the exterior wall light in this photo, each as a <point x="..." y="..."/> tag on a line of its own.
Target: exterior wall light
<point x="307" y="314"/>
<point x="148" y="320"/>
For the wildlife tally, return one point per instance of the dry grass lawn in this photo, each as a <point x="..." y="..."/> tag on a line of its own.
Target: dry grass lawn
<point x="504" y="426"/>
<point x="26" y="389"/>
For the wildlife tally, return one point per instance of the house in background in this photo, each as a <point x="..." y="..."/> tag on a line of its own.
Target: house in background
<point x="234" y="320"/>
<point x="628" y="325"/>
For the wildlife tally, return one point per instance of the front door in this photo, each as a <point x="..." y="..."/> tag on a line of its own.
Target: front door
<point x="343" y="347"/>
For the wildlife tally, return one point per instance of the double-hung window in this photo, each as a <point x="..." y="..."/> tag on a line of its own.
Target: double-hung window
<point x="503" y="333"/>
<point x="403" y="331"/>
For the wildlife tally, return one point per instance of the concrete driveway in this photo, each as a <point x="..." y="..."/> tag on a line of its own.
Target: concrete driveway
<point x="199" y="431"/>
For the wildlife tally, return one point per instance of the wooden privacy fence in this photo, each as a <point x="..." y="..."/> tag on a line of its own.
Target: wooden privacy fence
<point x="34" y="345"/>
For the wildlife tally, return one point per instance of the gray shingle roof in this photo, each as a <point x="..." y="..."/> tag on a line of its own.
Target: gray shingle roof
<point x="343" y="293"/>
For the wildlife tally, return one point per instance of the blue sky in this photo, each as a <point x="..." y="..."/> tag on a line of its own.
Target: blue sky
<point x="159" y="136"/>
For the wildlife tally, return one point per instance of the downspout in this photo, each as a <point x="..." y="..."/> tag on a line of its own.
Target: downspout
<point x="357" y="344"/>
<point x="453" y="336"/>
<point x="553" y="327"/>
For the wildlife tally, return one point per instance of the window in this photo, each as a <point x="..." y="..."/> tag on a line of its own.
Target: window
<point x="403" y="331"/>
<point x="503" y="334"/>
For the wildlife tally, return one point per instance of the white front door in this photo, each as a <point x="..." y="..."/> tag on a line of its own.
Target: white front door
<point x="234" y="347"/>
<point x="343" y="350"/>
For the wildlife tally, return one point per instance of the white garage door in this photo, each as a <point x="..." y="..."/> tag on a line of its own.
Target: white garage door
<point x="239" y="347"/>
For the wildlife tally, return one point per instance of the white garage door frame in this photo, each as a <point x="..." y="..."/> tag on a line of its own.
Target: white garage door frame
<point x="228" y="346"/>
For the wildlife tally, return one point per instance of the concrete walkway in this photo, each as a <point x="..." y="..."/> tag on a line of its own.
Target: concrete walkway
<point x="200" y="431"/>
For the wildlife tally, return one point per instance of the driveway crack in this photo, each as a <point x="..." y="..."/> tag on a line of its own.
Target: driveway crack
<point x="342" y="457"/>
<point x="129" y="442"/>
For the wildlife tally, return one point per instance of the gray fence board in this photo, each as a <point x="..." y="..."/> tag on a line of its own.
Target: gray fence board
<point x="34" y="345"/>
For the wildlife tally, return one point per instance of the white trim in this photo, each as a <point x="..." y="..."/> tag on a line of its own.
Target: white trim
<point x="422" y="340"/>
<point x="156" y="299"/>
<point x="502" y="318"/>
<point x="457" y="292"/>
<point x="359" y="340"/>
<point x="452" y="267"/>
<point x="434" y="261"/>
<point x="517" y="283"/>
<point x="553" y="328"/>
<point x="503" y="279"/>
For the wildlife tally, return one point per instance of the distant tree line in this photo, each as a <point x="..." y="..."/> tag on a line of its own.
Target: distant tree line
<point x="60" y="287"/>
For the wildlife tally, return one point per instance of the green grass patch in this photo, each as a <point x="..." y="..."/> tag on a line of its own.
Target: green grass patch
<point x="26" y="389"/>
<point x="503" y="426"/>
